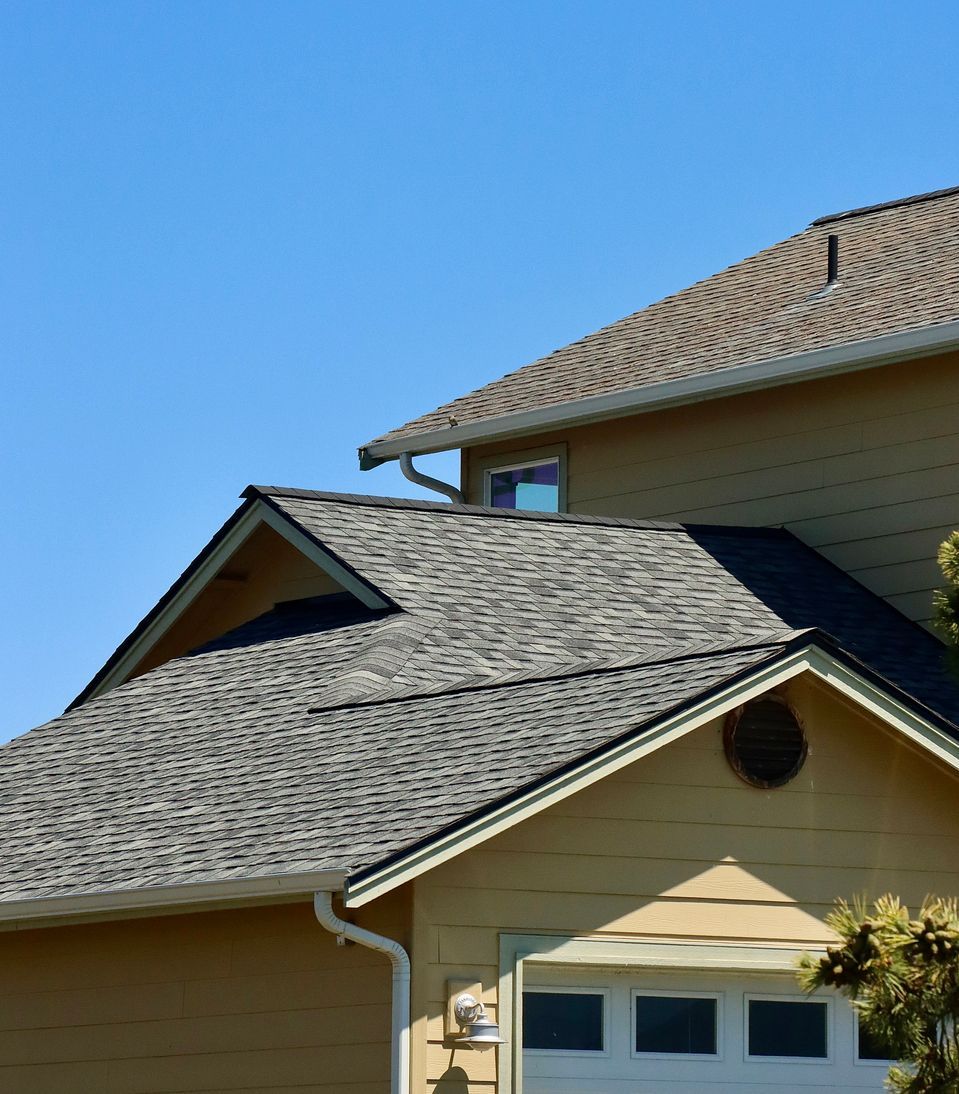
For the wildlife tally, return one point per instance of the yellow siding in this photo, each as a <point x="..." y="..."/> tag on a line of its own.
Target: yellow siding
<point x="676" y="846"/>
<point x="265" y="571"/>
<point x="863" y="467"/>
<point x="257" y="999"/>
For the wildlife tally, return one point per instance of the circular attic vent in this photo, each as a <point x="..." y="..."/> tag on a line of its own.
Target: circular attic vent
<point x="765" y="742"/>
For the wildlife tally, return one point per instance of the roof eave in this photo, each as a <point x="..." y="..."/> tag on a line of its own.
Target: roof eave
<point x="159" y="900"/>
<point x="737" y="379"/>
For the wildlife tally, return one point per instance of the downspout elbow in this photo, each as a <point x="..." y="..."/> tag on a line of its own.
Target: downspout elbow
<point x="410" y="472"/>
<point x="400" y="962"/>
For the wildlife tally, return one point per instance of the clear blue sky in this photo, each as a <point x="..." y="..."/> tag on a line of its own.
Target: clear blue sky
<point x="239" y="239"/>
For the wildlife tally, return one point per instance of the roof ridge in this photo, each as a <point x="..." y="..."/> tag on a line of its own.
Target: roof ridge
<point x="862" y="210"/>
<point x="576" y="669"/>
<point x="445" y="508"/>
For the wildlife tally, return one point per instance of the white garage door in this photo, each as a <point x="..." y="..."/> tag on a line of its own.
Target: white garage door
<point x="598" y="1032"/>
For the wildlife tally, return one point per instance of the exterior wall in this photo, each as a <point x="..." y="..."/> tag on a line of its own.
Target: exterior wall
<point x="677" y="847"/>
<point x="250" y="1000"/>
<point x="265" y="571"/>
<point x="863" y="467"/>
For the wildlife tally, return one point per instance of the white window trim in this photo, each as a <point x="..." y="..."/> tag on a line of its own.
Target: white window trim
<point x="533" y="457"/>
<point x="861" y="1061"/>
<point x="657" y="993"/>
<point x="564" y="989"/>
<point x="798" y="1000"/>
<point x="575" y="952"/>
<point x="491" y="471"/>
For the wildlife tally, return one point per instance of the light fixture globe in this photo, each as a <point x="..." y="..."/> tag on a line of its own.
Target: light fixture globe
<point x="479" y="1031"/>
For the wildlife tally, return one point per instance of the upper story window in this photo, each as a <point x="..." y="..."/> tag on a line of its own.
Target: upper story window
<point x="533" y="485"/>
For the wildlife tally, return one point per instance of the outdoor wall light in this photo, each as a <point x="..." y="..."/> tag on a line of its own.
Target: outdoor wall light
<point x="478" y="1029"/>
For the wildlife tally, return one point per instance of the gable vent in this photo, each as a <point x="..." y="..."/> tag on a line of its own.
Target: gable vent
<point x="765" y="742"/>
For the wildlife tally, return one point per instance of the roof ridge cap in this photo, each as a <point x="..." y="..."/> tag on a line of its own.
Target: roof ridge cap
<point x="862" y="210"/>
<point x="445" y="508"/>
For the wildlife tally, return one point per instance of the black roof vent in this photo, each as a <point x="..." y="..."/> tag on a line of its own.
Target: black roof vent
<point x="832" y="261"/>
<point x="765" y="742"/>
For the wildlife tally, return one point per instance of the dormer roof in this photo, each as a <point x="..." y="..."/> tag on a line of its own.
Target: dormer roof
<point x="770" y="319"/>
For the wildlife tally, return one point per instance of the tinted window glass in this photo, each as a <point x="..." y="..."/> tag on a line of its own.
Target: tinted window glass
<point x="872" y="1049"/>
<point x="563" y="1021"/>
<point x="535" y="488"/>
<point x="669" y="1023"/>
<point x="780" y="1028"/>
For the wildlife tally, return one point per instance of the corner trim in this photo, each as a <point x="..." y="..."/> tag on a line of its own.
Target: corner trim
<point x="735" y="379"/>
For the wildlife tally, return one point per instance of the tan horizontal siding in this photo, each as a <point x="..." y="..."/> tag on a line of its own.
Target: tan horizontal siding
<point x="677" y="846"/>
<point x="863" y="467"/>
<point x="259" y="998"/>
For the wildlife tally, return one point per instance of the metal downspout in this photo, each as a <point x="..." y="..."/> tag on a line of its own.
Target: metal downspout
<point x="406" y="466"/>
<point x="399" y="959"/>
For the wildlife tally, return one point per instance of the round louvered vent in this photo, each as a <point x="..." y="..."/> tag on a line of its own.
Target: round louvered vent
<point x="765" y="742"/>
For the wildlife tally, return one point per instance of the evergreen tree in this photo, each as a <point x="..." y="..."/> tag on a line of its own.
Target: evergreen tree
<point x="947" y="599"/>
<point x="902" y="977"/>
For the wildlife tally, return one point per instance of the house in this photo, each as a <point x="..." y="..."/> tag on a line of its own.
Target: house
<point x="587" y="755"/>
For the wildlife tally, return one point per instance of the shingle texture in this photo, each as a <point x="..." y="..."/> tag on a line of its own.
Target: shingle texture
<point x="899" y="270"/>
<point x="325" y="735"/>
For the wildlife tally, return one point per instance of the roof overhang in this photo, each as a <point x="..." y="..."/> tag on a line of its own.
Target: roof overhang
<point x="160" y="900"/>
<point x="811" y="652"/>
<point x="851" y="679"/>
<point x="737" y="379"/>
<point x="256" y="511"/>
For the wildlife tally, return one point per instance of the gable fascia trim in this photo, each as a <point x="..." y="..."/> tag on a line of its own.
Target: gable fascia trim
<point x="734" y="380"/>
<point x="571" y="780"/>
<point x="883" y="705"/>
<point x="157" y="899"/>
<point x="810" y="658"/>
<point x="258" y="512"/>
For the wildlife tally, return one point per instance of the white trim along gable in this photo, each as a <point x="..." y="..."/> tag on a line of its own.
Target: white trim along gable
<point x="811" y="658"/>
<point x="257" y="514"/>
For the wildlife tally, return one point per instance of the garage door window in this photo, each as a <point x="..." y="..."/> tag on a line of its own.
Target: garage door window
<point x="568" y="1022"/>
<point x="786" y="1029"/>
<point x="869" y="1050"/>
<point x="675" y="1024"/>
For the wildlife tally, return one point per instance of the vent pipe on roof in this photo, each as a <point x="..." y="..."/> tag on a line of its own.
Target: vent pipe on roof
<point x="832" y="261"/>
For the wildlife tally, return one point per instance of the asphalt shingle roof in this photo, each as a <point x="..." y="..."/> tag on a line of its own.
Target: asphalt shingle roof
<point x="326" y="735"/>
<point x="899" y="270"/>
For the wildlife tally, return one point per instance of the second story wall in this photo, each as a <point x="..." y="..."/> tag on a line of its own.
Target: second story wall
<point x="863" y="467"/>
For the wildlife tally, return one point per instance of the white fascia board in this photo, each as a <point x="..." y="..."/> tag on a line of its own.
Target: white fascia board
<point x="572" y="781"/>
<point x="340" y="574"/>
<point x="23" y="914"/>
<point x="810" y="658"/>
<point x="734" y="380"/>
<point x="885" y="707"/>
<point x="258" y="513"/>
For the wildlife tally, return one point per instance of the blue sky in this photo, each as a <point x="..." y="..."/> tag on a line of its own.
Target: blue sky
<point x="239" y="239"/>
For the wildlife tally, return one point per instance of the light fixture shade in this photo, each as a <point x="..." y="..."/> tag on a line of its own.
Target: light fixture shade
<point x="479" y="1031"/>
<point x="482" y="1034"/>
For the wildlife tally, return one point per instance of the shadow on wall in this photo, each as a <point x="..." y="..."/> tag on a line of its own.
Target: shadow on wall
<point x="452" y="1081"/>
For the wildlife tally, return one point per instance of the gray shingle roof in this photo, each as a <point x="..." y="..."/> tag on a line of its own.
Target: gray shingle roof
<point x="899" y="270"/>
<point x="325" y="735"/>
